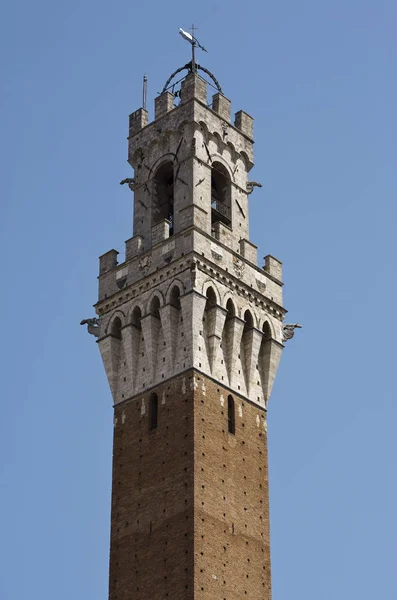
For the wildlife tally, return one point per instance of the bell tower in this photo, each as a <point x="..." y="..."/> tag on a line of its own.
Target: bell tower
<point x="190" y="332"/>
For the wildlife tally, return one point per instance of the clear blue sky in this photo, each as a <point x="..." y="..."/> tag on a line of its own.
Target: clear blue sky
<point x="320" y="79"/>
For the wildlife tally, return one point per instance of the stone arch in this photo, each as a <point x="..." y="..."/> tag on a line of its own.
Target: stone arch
<point x="167" y="157"/>
<point x="231" y="308"/>
<point x="175" y="282"/>
<point x="229" y="336"/>
<point x="233" y="151"/>
<point x="268" y="328"/>
<point x="182" y="125"/>
<point x="115" y="329"/>
<point x="221" y="194"/>
<point x="218" y="158"/>
<point x="154" y="294"/>
<point x="219" y="142"/>
<point x="210" y="283"/>
<point x="138" y="305"/>
<point x="117" y="314"/>
<point x="248" y="317"/>
<point x="163" y="193"/>
<point x="136" y="317"/>
<point x="175" y="297"/>
<point x="230" y="296"/>
<point x="244" y="309"/>
<point x="246" y="160"/>
<point x="154" y="308"/>
<point x="204" y="130"/>
<point x="212" y="298"/>
<point x="247" y="346"/>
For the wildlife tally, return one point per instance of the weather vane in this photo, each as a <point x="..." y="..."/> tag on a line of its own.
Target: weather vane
<point x="193" y="41"/>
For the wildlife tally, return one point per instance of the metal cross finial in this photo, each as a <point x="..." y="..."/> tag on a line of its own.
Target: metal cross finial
<point x="193" y="41"/>
<point x="193" y="29"/>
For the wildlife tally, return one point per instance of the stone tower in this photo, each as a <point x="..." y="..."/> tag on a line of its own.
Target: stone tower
<point x="190" y="332"/>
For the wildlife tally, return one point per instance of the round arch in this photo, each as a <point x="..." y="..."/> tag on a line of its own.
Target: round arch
<point x="118" y="314"/>
<point x="175" y="282"/>
<point x="154" y="294"/>
<point x="209" y="283"/>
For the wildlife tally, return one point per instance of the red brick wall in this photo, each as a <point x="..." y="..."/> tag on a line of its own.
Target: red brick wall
<point x="231" y="500"/>
<point x="190" y="515"/>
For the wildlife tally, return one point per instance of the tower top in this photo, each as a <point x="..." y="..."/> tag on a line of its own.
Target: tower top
<point x="192" y="66"/>
<point x="190" y="285"/>
<point x="193" y="41"/>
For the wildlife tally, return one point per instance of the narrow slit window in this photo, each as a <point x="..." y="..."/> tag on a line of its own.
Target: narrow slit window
<point x="153" y="411"/>
<point x="231" y="422"/>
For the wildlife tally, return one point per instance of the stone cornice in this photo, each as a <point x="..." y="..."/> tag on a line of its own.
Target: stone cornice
<point x="183" y="264"/>
<point x="233" y="283"/>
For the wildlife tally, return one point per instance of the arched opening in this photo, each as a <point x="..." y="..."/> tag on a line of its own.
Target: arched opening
<point x="136" y="318"/>
<point x="155" y="307"/>
<point x="267" y="333"/>
<point x="210" y="303"/>
<point x="211" y="298"/>
<point x="248" y="321"/>
<point x="220" y="195"/>
<point x="231" y="418"/>
<point x="246" y="346"/>
<point x="228" y="336"/>
<point x="231" y="311"/>
<point x="163" y="200"/>
<point x="116" y="328"/>
<point x="153" y="411"/>
<point x="264" y="359"/>
<point x="175" y="299"/>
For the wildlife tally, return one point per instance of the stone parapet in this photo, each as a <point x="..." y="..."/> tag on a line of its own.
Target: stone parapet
<point x="221" y="105"/>
<point x="163" y="104"/>
<point x="133" y="246"/>
<point x="249" y="251"/>
<point x="138" y="120"/>
<point x="194" y="86"/>
<point x="107" y="261"/>
<point x="273" y="266"/>
<point x="245" y="123"/>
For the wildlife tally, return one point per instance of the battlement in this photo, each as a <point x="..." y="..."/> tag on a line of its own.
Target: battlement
<point x="193" y="87"/>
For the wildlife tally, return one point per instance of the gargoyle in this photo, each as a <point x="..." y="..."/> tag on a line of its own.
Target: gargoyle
<point x="251" y="185"/>
<point x="130" y="181"/>
<point x="289" y="330"/>
<point x="92" y="326"/>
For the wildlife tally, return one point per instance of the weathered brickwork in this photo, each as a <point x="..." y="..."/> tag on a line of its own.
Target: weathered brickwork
<point x="232" y="548"/>
<point x="151" y="554"/>
<point x="190" y="516"/>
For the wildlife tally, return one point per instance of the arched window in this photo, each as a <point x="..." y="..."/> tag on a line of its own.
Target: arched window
<point x="153" y="411"/>
<point x="231" y="420"/>
<point x="220" y="195"/>
<point x="116" y="328"/>
<point x="163" y="200"/>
